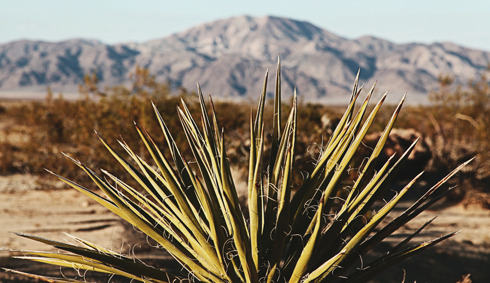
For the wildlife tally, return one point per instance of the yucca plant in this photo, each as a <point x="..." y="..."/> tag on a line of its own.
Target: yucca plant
<point x="192" y="209"/>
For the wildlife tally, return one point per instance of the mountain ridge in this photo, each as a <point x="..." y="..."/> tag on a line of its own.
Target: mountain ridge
<point x="229" y="57"/>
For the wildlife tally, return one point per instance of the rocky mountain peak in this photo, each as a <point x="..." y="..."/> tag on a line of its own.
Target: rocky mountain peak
<point x="229" y="57"/>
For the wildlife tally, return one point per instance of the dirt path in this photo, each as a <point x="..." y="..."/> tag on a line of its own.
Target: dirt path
<point x="50" y="213"/>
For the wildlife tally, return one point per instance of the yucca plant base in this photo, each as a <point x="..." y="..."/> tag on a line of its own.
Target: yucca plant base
<point x="191" y="208"/>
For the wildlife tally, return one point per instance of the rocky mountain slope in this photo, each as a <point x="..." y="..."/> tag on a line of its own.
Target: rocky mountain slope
<point x="229" y="57"/>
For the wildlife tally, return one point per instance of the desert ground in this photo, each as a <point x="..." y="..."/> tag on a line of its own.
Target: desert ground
<point x="51" y="213"/>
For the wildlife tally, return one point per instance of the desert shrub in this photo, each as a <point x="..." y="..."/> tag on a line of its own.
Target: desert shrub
<point x="460" y="122"/>
<point x="58" y="125"/>
<point x="455" y="126"/>
<point x="189" y="204"/>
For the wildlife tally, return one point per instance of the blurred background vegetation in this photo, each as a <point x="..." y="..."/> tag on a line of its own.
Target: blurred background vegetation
<point x="454" y="128"/>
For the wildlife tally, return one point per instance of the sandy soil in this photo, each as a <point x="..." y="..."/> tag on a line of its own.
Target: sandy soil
<point x="50" y="213"/>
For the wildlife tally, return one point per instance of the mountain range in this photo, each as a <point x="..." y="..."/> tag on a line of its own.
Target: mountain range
<point x="229" y="58"/>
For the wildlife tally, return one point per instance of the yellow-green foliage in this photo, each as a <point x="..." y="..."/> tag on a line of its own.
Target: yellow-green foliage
<point x="189" y="204"/>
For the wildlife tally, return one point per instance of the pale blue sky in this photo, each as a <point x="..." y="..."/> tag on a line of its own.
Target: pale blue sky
<point x="463" y="22"/>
